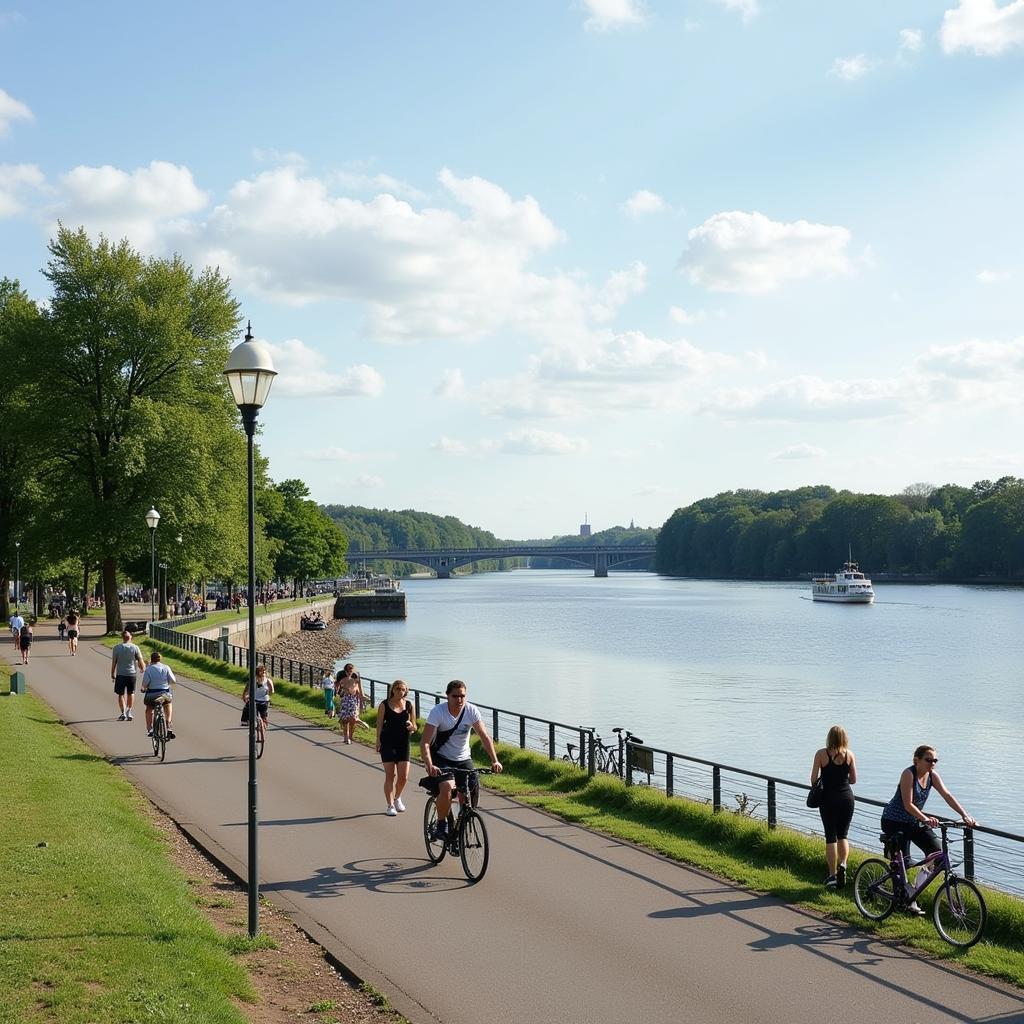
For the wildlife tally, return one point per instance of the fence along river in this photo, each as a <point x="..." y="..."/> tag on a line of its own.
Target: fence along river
<point x="742" y="674"/>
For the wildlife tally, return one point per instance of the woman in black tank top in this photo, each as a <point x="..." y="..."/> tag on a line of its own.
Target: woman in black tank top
<point x="396" y="720"/>
<point x="837" y="768"/>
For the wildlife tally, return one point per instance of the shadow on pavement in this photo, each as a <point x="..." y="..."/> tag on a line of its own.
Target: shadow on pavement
<point x="385" y="876"/>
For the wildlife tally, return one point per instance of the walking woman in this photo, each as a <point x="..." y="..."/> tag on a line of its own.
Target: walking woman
<point x="837" y="768"/>
<point x="72" y="618"/>
<point x="904" y="813"/>
<point x="396" y="721"/>
<point x="25" y="642"/>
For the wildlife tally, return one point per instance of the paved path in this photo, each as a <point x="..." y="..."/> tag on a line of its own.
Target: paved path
<point x="568" y="926"/>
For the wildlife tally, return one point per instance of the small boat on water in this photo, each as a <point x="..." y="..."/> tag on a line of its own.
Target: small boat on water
<point x="314" y="622"/>
<point x="849" y="586"/>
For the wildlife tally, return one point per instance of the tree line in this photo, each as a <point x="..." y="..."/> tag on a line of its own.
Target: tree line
<point x="947" y="532"/>
<point x="113" y="401"/>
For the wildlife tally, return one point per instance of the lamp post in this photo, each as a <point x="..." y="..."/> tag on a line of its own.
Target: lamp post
<point x="163" y="592"/>
<point x="152" y="519"/>
<point x="17" y="576"/>
<point x="250" y="372"/>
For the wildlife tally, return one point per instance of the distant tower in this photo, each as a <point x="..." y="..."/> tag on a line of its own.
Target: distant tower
<point x="631" y="526"/>
<point x="585" y="528"/>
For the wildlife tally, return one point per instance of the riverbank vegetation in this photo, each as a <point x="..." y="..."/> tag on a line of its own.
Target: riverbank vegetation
<point x="948" y="532"/>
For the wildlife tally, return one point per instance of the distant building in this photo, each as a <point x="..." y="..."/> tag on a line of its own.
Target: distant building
<point x="584" y="528"/>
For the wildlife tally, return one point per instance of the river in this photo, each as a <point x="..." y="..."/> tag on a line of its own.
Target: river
<point x="751" y="674"/>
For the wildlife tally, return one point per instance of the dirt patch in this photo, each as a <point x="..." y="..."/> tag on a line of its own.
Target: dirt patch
<point x="294" y="980"/>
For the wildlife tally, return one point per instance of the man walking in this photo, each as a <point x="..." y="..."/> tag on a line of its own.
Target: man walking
<point x="125" y="662"/>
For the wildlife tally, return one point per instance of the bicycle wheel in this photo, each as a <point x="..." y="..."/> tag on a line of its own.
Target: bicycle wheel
<point x="160" y="737"/>
<point x="874" y="889"/>
<point x="436" y="848"/>
<point x="261" y="739"/>
<point x="474" y="849"/>
<point x="959" y="912"/>
<point x="154" y="738"/>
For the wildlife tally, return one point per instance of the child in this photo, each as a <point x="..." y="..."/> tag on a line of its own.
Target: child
<point x="328" y="687"/>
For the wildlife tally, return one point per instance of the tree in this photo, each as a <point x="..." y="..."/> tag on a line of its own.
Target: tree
<point x="310" y="545"/>
<point x="132" y="355"/>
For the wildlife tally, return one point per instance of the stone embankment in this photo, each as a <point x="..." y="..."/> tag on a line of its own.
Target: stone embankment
<point x="323" y="647"/>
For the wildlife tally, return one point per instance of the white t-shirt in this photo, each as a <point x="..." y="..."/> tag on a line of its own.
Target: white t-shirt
<point x="157" y="676"/>
<point x="457" y="747"/>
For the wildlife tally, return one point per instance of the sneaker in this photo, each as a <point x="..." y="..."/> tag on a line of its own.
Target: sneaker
<point x="170" y="735"/>
<point x="149" y="732"/>
<point x="122" y="717"/>
<point x="440" y="831"/>
<point x="830" y="882"/>
<point x="129" y="717"/>
<point x="391" y="812"/>
<point x="399" y="806"/>
<point x="913" y="908"/>
<point x="840" y="876"/>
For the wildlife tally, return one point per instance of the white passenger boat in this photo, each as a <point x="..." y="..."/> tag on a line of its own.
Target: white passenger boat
<point x="850" y="586"/>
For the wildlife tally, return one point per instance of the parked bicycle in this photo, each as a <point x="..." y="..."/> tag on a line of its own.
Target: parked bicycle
<point x="608" y="757"/>
<point x="958" y="910"/>
<point x="159" y="728"/>
<point x="466" y="837"/>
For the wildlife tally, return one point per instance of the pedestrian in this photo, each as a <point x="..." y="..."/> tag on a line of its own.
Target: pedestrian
<point x="836" y="766"/>
<point x="16" y="623"/>
<point x="25" y="642"/>
<point x="125" y="662"/>
<point x="327" y="683"/>
<point x="351" y="700"/>
<point x="156" y="685"/>
<point x="73" y="632"/>
<point x="396" y="721"/>
<point x="263" y="689"/>
<point x="62" y="628"/>
<point x="904" y="813"/>
<point x="445" y="744"/>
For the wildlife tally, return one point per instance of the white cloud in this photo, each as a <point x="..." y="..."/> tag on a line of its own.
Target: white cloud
<point x="747" y="252"/>
<point x="607" y="15"/>
<point x="992" y="276"/>
<point x="983" y="27"/>
<point x="527" y="441"/>
<point x="139" y="206"/>
<point x="911" y="39"/>
<point x="749" y="9"/>
<point x="451" y="385"/>
<point x="11" y="110"/>
<point x="678" y="315"/>
<point x="303" y="372"/>
<point x="643" y="202"/>
<point x="620" y="287"/>
<point x="369" y="480"/>
<point x="976" y="360"/>
<point x="15" y="181"/>
<point x="850" y="68"/>
<point x="356" y="181"/>
<point x="800" y="451"/>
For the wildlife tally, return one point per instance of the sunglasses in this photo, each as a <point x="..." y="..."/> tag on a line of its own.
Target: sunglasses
<point x="930" y="760"/>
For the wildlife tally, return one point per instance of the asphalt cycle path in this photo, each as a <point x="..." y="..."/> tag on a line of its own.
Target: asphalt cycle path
<point x="567" y="925"/>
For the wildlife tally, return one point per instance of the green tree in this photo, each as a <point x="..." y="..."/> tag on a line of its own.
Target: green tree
<point x="132" y="353"/>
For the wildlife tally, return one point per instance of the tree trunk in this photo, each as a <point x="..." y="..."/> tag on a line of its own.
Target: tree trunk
<point x="5" y="604"/>
<point x="111" y="600"/>
<point x="85" y="588"/>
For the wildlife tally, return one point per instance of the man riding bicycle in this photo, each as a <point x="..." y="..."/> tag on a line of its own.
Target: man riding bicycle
<point x="445" y="744"/>
<point x="156" y="685"/>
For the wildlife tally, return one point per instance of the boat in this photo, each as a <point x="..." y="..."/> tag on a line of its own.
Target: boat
<point x="312" y="622"/>
<point x="848" y="586"/>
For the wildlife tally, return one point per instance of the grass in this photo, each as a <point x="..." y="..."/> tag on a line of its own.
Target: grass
<point x="779" y="862"/>
<point x="96" y="923"/>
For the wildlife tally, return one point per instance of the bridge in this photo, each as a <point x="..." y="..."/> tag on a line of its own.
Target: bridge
<point x="443" y="561"/>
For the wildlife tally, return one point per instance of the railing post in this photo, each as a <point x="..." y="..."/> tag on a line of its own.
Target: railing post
<point x="551" y="741"/>
<point x="716" y="788"/>
<point x="494" y="725"/>
<point x="373" y="692"/>
<point x="969" y="853"/>
<point x="669" y="775"/>
<point x="626" y="764"/>
<point x="416" y="701"/>
<point x="591" y="754"/>
<point x="522" y="733"/>
<point x="771" y="804"/>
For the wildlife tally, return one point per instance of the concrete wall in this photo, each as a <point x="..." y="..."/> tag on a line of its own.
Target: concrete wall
<point x="273" y="624"/>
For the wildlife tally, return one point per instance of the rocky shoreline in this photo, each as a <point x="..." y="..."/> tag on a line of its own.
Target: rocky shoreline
<point x="314" y="647"/>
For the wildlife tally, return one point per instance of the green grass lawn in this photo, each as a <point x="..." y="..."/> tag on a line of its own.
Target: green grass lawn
<point x="96" y="923"/>
<point x="780" y="862"/>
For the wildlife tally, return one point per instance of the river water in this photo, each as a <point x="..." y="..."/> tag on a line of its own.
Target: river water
<point x="750" y="674"/>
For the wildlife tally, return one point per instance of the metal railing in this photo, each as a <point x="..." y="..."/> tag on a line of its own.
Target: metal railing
<point x="991" y="855"/>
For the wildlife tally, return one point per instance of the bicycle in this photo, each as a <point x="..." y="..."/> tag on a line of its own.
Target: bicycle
<point x="159" y="729"/>
<point x="466" y="837"/>
<point x="958" y="910"/>
<point x="614" y="759"/>
<point x="601" y="750"/>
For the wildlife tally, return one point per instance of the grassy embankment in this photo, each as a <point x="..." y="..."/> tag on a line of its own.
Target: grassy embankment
<point x="780" y="862"/>
<point x="96" y="923"/>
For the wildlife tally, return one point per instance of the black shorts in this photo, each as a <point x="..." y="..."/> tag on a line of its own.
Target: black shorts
<point x="124" y="684"/>
<point x="921" y="835"/>
<point x="150" y="697"/>
<point x="262" y="709"/>
<point x="394" y="752"/>
<point x="72" y="634"/>
<point x="466" y="784"/>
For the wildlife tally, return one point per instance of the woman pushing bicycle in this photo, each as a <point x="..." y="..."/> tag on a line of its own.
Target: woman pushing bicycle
<point x="904" y="813"/>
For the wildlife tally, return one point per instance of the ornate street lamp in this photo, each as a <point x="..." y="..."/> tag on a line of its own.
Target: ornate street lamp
<point x="152" y="519"/>
<point x="250" y="372"/>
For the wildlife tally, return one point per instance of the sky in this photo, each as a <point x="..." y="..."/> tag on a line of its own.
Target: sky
<point x="538" y="262"/>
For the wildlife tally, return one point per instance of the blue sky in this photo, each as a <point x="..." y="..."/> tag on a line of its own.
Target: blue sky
<point x="521" y="263"/>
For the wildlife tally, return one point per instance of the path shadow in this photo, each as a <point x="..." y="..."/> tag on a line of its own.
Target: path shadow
<point x="390" y="876"/>
<point x="304" y="821"/>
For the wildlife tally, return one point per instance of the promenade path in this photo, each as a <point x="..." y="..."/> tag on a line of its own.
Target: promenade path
<point x="567" y="926"/>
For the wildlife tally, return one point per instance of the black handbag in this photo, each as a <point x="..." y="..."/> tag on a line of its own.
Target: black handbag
<point x="815" y="794"/>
